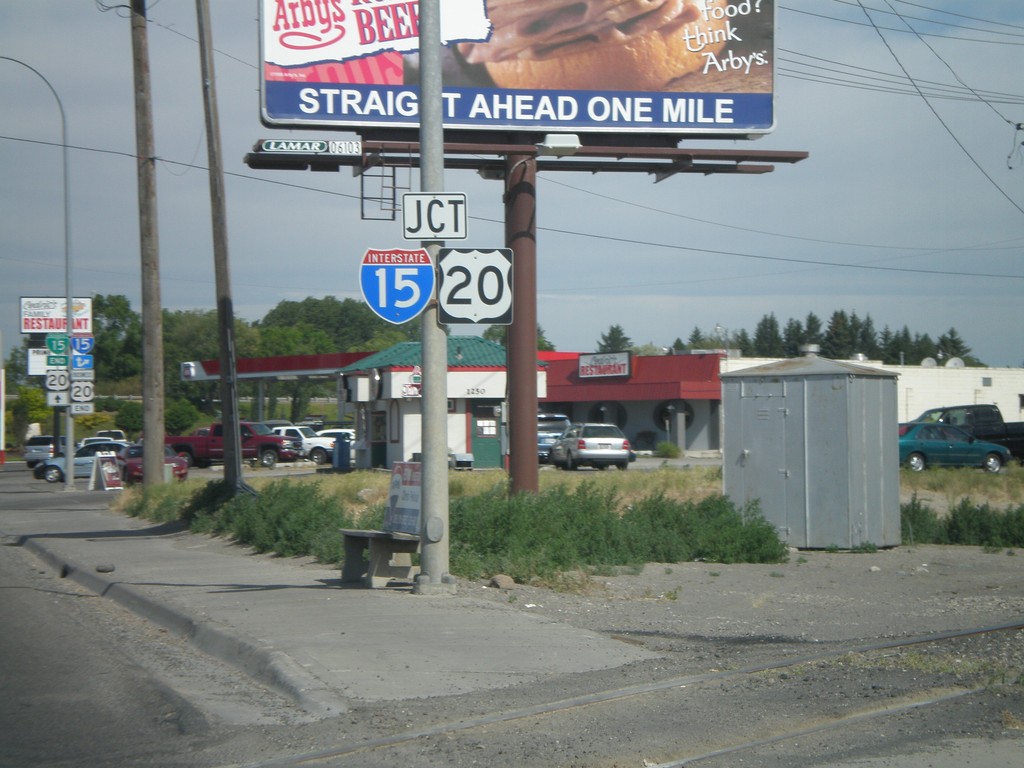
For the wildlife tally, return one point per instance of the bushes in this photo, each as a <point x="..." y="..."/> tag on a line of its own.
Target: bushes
<point x="560" y="530"/>
<point x="564" y="528"/>
<point x="967" y="524"/>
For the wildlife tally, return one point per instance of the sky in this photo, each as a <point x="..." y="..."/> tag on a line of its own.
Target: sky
<point x="909" y="209"/>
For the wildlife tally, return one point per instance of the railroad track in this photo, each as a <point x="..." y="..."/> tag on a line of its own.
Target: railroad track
<point x="663" y="693"/>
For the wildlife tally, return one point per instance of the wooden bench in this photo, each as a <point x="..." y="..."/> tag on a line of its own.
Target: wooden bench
<point x="391" y="548"/>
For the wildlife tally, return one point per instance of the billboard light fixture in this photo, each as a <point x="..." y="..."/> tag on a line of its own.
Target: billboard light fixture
<point x="559" y="144"/>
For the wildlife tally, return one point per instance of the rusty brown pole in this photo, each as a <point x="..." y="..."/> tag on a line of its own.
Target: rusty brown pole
<point x="521" y="237"/>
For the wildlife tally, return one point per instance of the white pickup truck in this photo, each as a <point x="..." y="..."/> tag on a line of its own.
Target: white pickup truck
<point x="317" y="449"/>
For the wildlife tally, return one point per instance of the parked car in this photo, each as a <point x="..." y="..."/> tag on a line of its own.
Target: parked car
<point x="52" y="470"/>
<point x="550" y="427"/>
<point x="38" y="449"/>
<point x="113" y="434"/>
<point x="595" y="445"/>
<point x="317" y="448"/>
<point x="259" y="444"/>
<point x="335" y="432"/>
<point x="926" y="444"/>
<point x="984" y="421"/>
<point x="130" y="459"/>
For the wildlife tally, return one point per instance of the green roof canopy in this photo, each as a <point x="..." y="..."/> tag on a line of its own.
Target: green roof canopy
<point x="463" y="352"/>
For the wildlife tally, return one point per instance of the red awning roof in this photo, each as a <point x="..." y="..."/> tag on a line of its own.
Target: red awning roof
<point x="665" y="377"/>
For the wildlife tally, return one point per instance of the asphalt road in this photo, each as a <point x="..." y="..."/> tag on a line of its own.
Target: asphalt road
<point x="70" y="694"/>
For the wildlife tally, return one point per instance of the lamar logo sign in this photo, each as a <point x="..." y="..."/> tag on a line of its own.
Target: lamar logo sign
<point x="305" y="147"/>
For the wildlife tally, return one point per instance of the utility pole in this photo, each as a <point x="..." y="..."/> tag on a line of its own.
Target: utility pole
<point x="152" y="312"/>
<point x="433" y="578"/>
<point x="225" y="306"/>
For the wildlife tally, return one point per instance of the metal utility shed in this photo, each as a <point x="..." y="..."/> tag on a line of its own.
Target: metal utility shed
<point x="816" y="442"/>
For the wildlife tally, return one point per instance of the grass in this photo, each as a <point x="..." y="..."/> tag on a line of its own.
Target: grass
<point x="577" y="524"/>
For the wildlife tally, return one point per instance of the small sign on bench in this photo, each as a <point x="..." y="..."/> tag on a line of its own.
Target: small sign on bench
<point x="391" y="548"/>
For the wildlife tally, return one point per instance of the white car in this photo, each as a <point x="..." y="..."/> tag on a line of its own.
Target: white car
<point x="595" y="445"/>
<point x="316" y="448"/>
<point x="336" y="432"/>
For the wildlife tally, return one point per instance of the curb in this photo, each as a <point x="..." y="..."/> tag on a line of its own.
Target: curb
<point x="270" y="667"/>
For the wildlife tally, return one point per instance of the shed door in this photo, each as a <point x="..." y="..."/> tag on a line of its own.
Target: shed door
<point x="766" y="467"/>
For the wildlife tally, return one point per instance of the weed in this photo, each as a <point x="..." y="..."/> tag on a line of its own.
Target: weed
<point x="577" y="525"/>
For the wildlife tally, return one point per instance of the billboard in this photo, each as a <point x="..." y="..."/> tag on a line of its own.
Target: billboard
<point x="50" y="315"/>
<point x="581" y="66"/>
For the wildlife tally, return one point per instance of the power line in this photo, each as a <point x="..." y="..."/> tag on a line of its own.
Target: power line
<point x="591" y="235"/>
<point x="902" y="31"/>
<point x="938" y="117"/>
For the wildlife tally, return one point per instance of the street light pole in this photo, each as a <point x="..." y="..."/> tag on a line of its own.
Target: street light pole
<point x="69" y="421"/>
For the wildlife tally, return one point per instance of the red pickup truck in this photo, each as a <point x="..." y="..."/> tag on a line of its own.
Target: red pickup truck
<point x="259" y="444"/>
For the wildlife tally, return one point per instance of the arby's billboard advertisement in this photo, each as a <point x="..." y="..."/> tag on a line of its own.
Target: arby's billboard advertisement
<point x="585" y="66"/>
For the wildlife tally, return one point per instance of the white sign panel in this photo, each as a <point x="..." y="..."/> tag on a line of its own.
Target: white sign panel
<point x="57" y="379"/>
<point x="81" y="391"/>
<point x="57" y="399"/>
<point x="475" y="286"/>
<point x="50" y="315"/>
<point x="604" y="364"/>
<point x="81" y="409"/>
<point x="435" y="216"/>
<point x="37" y="362"/>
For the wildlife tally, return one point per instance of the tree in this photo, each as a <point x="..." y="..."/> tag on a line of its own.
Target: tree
<point x="839" y="340"/>
<point x="179" y="416"/>
<point x="650" y="349"/>
<point x="499" y="335"/>
<point x="348" y="323"/>
<point x="813" y="330"/>
<point x="792" y="338"/>
<point x="118" y="333"/>
<point x="743" y="343"/>
<point x="129" y="417"/>
<point x="767" y="339"/>
<point x="615" y="340"/>
<point x="16" y="366"/>
<point x="951" y="345"/>
<point x="28" y="408"/>
<point x="299" y="339"/>
<point x="696" y="339"/>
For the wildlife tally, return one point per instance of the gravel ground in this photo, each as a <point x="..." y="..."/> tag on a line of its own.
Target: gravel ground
<point x="761" y="666"/>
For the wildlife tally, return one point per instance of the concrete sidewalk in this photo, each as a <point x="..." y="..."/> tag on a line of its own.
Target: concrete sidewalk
<point x="289" y="623"/>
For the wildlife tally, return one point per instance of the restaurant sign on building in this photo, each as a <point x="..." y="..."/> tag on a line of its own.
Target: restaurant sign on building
<point x="604" y="364"/>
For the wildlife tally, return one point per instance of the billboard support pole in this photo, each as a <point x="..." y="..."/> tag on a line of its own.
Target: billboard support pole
<point x="521" y="237"/>
<point x="434" y="578"/>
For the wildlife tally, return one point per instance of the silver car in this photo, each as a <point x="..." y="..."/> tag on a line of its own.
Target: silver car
<point x="593" y="445"/>
<point x="38" y="449"/>
<point x="52" y="470"/>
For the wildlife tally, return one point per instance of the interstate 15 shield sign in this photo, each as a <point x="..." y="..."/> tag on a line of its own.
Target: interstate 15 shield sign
<point x="397" y="283"/>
